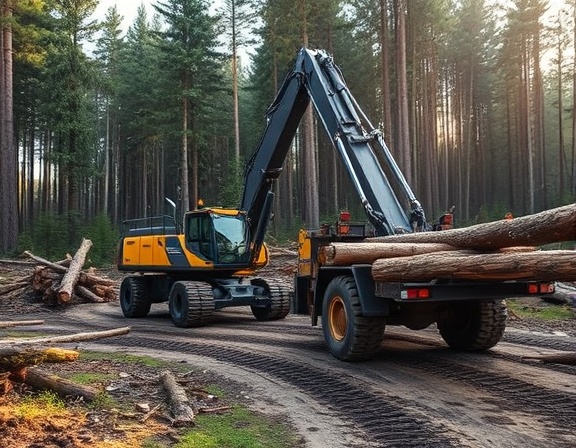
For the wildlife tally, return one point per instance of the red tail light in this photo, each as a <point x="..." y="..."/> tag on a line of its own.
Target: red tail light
<point x="416" y="293"/>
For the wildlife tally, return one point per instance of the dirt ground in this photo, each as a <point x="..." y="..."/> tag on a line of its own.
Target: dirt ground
<point x="137" y="409"/>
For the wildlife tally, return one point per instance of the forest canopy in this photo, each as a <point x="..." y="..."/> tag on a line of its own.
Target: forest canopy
<point x="100" y="124"/>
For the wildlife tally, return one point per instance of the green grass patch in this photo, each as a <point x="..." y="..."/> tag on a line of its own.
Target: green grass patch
<point x="91" y="378"/>
<point x="127" y="358"/>
<point x="238" y="429"/>
<point x="215" y="390"/>
<point x="15" y="334"/>
<point x="103" y="401"/>
<point x="43" y="404"/>
<point x="541" y="311"/>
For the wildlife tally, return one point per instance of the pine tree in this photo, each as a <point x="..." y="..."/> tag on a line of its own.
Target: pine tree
<point x="8" y="149"/>
<point x="189" y="44"/>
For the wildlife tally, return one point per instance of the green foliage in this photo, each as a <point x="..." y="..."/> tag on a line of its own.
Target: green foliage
<point x="53" y="236"/>
<point x="104" y="239"/>
<point x="50" y="236"/>
<point x="238" y="429"/>
<point x="231" y="185"/>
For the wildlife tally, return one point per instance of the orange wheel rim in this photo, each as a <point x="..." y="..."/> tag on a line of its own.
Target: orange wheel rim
<point x="337" y="319"/>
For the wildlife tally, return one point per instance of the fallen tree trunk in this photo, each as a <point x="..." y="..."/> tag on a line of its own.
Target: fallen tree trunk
<point x="43" y="261"/>
<point x="40" y="379"/>
<point x="560" y="358"/>
<point x="77" y="337"/>
<point x="339" y="254"/>
<point x="14" y="358"/>
<point x="179" y="403"/>
<point x="73" y="273"/>
<point x="550" y="226"/>
<point x="6" y="289"/>
<point x="557" y="265"/>
<point x="20" y="323"/>
<point x="89" y="295"/>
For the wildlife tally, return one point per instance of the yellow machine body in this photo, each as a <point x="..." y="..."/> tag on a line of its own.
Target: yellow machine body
<point x="148" y="246"/>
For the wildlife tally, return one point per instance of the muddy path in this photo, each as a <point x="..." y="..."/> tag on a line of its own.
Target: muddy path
<point x="415" y="393"/>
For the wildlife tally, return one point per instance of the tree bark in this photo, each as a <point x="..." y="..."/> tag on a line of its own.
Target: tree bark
<point x="550" y="226"/>
<point x="181" y="408"/>
<point x="14" y="357"/>
<point x="40" y="379"/>
<point x="20" y="323"/>
<point x="403" y="122"/>
<point x="553" y="265"/>
<point x="87" y="279"/>
<point x="78" y="337"/>
<point x="8" y="150"/>
<point x="72" y="275"/>
<point x="339" y="254"/>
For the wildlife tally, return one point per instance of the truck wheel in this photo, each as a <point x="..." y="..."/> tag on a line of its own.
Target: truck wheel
<point x="191" y="304"/>
<point x="280" y="300"/>
<point x="133" y="300"/>
<point x="474" y="326"/>
<point x="350" y="336"/>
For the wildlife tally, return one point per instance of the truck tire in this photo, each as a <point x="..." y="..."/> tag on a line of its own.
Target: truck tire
<point x="350" y="336"/>
<point x="280" y="300"/>
<point x="191" y="304"/>
<point x="474" y="326"/>
<point x="133" y="300"/>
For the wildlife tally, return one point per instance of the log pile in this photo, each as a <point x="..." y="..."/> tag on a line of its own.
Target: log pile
<point x="61" y="282"/>
<point x="19" y="361"/>
<point x="496" y="251"/>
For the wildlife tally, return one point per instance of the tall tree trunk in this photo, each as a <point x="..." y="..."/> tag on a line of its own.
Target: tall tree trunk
<point x="561" y="154"/>
<point x="107" y="150"/>
<point x="311" y="191"/>
<point x="385" y="62"/>
<point x="403" y="143"/>
<point x="185" y="188"/>
<point x="235" y="87"/>
<point x="8" y="151"/>
<point x="539" y="128"/>
<point x="573" y="186"/>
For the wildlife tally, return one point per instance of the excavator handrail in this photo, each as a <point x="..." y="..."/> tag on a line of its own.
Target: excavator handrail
<point x="315" y="77"/>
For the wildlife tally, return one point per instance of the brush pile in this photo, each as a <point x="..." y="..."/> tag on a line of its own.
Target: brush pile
<point x="60" y="282"/>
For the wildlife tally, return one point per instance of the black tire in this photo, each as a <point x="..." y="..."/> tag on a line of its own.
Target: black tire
<point x="474" y="326"/>
<point x="350" y="336"/>
<point x="280" y="300"/>
<point x="133" y="300"/>
<point x="191" y="304"/>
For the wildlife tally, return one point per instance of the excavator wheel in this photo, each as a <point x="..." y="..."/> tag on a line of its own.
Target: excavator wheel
<point x="191" y="304"/>
<point x="133" y="300"/>
<point x="350" y="336"/>
<point x="474" y="326"/>
<point x="280" y="300"/>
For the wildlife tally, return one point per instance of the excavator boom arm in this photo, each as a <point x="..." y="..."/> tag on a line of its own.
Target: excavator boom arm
<point x="315" y="77"/>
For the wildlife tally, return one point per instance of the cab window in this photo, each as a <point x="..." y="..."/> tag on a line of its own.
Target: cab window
<point x="198" y="238"/>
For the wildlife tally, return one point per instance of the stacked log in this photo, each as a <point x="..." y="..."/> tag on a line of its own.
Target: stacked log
<point x="62" y="282"/>
<point x="497" y="251"/>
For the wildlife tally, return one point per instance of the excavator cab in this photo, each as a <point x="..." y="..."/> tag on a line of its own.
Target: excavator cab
<point x="219" y="236"/>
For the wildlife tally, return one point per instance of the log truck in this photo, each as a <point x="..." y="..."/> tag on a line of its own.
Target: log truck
<point x="211" y="262"/>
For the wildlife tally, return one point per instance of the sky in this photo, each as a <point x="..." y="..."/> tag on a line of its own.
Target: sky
<point x="126" y="8"/>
